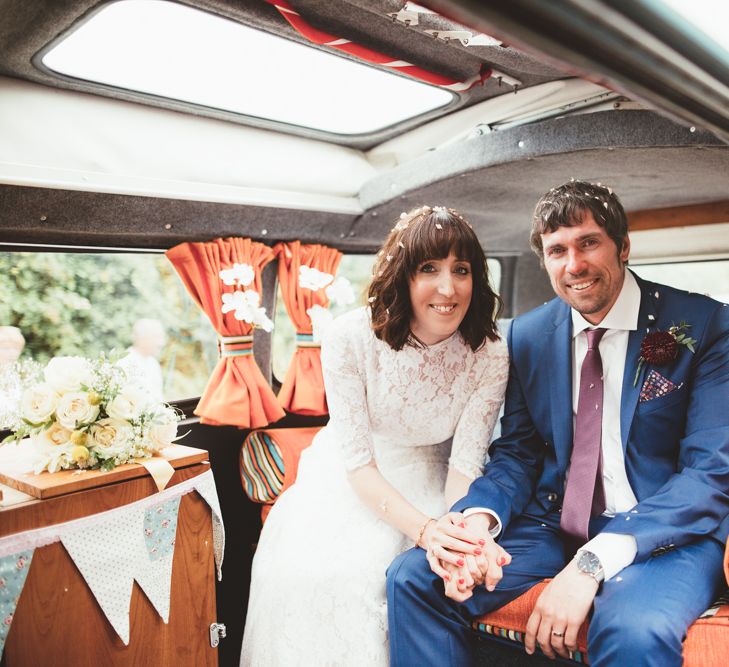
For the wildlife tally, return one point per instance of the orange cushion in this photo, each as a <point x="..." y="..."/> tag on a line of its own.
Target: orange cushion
<point x="706" y="644"/>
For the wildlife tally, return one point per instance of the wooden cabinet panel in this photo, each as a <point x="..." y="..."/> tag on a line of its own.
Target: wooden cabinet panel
<point x="59" y="622"/>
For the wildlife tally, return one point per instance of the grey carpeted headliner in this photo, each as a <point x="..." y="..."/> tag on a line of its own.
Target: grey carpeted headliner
<point x="650" y="162"/>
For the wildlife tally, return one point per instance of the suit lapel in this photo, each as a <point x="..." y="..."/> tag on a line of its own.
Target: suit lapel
<point x="647" y="321"/>
<point x="560" y="385"/>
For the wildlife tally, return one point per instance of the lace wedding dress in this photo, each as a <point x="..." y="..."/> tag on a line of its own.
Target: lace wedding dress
<point x="318" y="580"/>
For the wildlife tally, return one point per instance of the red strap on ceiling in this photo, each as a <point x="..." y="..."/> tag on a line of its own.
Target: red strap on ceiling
<point x="370" y="56"/>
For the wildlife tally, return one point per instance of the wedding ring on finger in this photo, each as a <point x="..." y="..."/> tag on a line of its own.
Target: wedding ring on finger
<point x="557" y="634"/>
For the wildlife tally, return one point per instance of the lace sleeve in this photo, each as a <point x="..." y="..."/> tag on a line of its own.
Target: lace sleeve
<point x="344" y="383"/>
<point x="476" y="424"/>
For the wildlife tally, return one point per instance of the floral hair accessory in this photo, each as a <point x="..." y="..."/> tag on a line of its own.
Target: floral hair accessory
<point x="661" y="347"/>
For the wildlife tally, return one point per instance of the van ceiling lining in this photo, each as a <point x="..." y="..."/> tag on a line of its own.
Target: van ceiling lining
<point x="496" y="179"/>
<point x="28" y="27"/>
<point x="608" y="130"/>
<point x="650" y="162"/>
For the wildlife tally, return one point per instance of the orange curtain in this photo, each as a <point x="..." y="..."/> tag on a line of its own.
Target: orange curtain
<point x="302" y="391"/>
<point x="237" y="393"/>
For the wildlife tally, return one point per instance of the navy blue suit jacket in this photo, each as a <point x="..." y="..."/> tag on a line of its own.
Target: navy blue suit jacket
<point x="676" y="446"/>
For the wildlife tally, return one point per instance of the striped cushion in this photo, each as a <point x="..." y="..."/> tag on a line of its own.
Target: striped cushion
<point x="706" y="644"/>
<point x="269" y="461"/>
<point x="261" y="467"/>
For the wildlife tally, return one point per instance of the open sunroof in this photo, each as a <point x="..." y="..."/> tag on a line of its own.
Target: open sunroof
<point x="173" y="51"/>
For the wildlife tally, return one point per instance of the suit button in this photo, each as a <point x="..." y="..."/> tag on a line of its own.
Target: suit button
<point x="552" y="497"/>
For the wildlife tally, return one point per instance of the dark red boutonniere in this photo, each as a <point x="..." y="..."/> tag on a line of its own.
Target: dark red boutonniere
<point x="661" y="347"/>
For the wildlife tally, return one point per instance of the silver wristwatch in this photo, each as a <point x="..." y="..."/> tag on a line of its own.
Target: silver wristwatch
<point x="589" y="563"/>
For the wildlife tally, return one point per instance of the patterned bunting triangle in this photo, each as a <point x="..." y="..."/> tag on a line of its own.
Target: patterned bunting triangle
<point x="154" y="572"/>
<point x="13" y="572"/>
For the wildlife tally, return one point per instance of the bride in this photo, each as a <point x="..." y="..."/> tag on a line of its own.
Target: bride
<point x="414" y="385"/>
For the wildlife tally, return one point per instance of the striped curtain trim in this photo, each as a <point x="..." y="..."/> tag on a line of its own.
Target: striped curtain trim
<point x="244" y="352"/>
<point x="306" y="340"/>
<point x="235" y="346"/>
<point x="516" y="636"/>
<point x="235" y="339"/>
<point x="261" y="468"/>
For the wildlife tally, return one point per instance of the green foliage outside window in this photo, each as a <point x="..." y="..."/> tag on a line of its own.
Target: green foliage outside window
<point x="85" y="304"/>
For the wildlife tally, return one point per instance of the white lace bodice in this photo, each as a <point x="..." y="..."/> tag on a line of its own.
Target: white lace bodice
<point x="381" y="399"/>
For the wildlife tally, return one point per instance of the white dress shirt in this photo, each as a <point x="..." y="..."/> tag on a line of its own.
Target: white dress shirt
<point x="614" y="551"/>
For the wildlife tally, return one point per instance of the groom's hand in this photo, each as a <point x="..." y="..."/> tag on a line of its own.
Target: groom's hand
<point x="560" y="611"/>
<point x="486" y="567"/>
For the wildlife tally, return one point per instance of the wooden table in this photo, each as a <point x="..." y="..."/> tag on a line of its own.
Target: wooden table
<point x="58" y="621"/>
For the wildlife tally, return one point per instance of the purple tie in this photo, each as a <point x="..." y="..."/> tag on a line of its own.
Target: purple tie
<point x="584" y="495"/>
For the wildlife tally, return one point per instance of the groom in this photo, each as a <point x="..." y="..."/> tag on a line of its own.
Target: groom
<point x="612" y="471"/>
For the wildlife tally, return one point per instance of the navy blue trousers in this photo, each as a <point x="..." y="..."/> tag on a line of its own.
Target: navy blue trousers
<point x="640" y="616"/>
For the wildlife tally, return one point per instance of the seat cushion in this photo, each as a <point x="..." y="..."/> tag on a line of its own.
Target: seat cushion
<point x="269" y="460"/>
<point x="706" y="645"/>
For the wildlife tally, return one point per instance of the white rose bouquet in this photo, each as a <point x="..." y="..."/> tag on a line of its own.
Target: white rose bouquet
<point x="87" y="414"/>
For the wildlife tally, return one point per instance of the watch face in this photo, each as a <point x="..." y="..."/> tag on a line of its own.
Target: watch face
<point x="589" y="563"/>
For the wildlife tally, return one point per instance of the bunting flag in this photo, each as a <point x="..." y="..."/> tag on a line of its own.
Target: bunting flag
<point x="13" y="572"/>
<point x="155" y="578"/>
<point x="111" y="550"/>
<point x="96" y="549"/>
<point x="209" y="493"/>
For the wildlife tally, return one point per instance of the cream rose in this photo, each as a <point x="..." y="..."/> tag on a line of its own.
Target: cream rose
<point x="38" y="403"/>
<point x="111" y="436"/>
<point x="54" y="436"/>
<point x="162" y="435"/>
<point x="68" y="373"/>
<point x="129" y="403"/>
<point x="75" y="408"/>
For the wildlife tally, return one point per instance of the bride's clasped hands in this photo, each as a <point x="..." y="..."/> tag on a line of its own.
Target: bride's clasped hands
<point x="463" y="553"/>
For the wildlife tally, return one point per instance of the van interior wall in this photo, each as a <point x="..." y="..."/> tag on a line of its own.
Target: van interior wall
<point x="531" y="284"/>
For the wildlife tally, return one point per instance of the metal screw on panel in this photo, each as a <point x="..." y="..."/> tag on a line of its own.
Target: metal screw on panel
<point x="264" y="232"/>
<point x="168" y="226"/>
<point x="43" y="218"/>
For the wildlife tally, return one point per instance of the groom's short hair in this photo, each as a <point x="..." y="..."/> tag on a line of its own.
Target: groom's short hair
<point x="566" y="205"/>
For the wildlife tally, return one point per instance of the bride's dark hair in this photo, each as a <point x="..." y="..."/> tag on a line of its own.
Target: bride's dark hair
<point x="422" y="234"/>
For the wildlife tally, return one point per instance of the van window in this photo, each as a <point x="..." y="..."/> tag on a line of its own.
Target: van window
<point x="132" y="303"/>
<point x="355" y="268"/>
<point x="358" y="270"/>
<point x="707" y="277"/>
